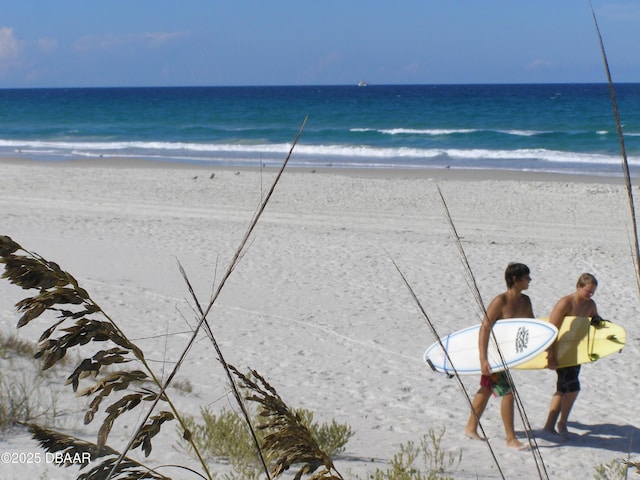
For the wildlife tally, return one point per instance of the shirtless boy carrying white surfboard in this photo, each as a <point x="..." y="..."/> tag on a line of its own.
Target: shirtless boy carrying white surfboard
<point x="510" y="304"/>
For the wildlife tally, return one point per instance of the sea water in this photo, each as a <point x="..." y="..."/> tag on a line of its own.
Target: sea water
<point x="546" y="127"/>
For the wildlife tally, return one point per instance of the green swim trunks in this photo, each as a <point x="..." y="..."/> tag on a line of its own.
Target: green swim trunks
<point x="498" y="384"/>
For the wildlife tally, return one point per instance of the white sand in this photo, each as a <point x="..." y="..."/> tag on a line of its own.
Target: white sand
<point x="316" y="305"/>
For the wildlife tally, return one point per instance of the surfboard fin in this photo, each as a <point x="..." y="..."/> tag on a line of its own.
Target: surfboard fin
<point x="430" y="363"/>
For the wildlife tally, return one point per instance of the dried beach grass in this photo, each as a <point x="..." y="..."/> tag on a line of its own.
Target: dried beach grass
<point x="623" y="150"/>
<point x="286" y="439"/>
<point x="635" y="253"/>
<point x="78" y="322"/>
<point x="68" y="447"/>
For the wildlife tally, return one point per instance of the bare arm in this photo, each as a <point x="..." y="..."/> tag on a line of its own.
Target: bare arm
<point x="494" y="313"/>
<point x="560" y="310"/>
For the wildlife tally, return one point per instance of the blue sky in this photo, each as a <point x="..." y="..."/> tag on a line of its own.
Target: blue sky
<point x="72" y="43"/>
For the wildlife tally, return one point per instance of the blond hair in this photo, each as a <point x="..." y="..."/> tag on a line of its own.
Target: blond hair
<point x="586" y="279"/>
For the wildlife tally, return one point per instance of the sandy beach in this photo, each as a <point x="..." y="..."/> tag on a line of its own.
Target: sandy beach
<point x="316" y="304"/>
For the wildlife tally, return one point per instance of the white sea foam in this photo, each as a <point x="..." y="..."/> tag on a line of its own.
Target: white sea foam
<point x="427" y="131"/>
<point x="444" y="131"/>
<point x="340" y="154"/>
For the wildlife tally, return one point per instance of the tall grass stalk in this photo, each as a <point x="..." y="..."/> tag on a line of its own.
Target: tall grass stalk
<point x="623" y="150"/>
<point x="614" y="467"/>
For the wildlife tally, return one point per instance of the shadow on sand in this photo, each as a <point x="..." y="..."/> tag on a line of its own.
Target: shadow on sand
<point x="603" y="436"/>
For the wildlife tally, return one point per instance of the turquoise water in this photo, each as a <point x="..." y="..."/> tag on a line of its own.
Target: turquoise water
<point x="567" y="127"/>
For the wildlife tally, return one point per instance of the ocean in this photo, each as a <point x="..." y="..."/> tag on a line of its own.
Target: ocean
<point x="555" y="128"/>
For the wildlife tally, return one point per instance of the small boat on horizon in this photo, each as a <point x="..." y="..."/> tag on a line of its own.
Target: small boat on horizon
<point x="362" y="83"/>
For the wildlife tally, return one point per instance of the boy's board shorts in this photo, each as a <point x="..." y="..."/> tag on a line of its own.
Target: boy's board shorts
<point x="497" y="383"/>
<point x="568" y="380"/>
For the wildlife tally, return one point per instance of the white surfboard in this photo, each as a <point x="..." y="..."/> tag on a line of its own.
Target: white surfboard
<point x="519" y="340"/>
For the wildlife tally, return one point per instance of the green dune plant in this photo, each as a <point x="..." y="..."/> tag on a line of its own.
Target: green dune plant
<point x="614" y="470"/>
<point x="25" y="396"/>
<point x="26" y="393"/>
<point x="425" y="460"/>
<point x="225" y="435"/>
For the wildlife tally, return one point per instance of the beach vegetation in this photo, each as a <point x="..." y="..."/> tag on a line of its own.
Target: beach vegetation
<point x="285" y="435"/>
<point x="425" y="460"/>
<point x="12" y="345"/>
<point x="25" y="392"/>
<point x="226" y="436"/>
<point x="24" y="397"/>
<point x="183" y="385"/>
<point x="614" y="470"/>
<point x="77" y="322"/>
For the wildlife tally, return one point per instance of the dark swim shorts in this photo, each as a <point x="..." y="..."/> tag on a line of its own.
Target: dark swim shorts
<point x="568" y="380"/>
<point x="497" y="383"/>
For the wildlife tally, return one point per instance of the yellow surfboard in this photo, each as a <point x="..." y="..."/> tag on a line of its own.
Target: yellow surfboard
<point x="580" y="342"/>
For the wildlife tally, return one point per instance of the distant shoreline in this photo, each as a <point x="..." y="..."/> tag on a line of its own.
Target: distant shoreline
<point x="460" y="174"/>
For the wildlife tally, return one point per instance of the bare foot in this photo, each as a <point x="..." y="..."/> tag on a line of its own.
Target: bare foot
<point x="550" y="434"/>
<point x="473" y="435"/>
<point x="563" y="432"/>
<point x="517" y="444"/>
